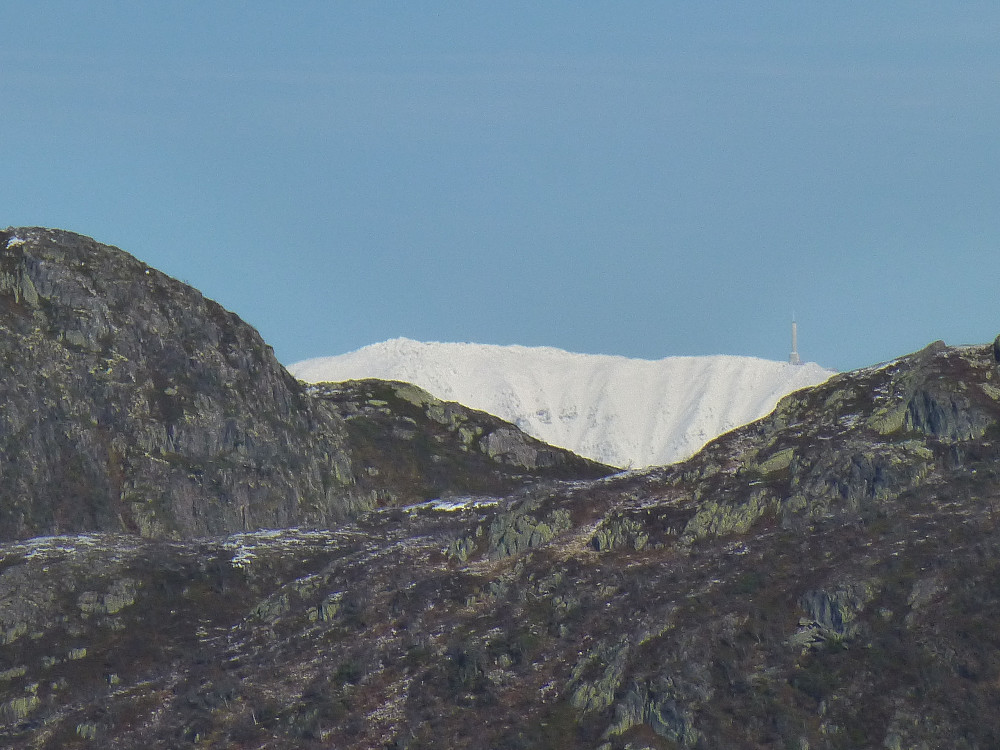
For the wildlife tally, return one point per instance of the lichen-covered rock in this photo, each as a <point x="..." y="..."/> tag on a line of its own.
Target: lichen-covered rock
<point x="658" y="704"/>
<point x="831" y="616"/>
<point x="777" y="462"/>
<point x="606" y="663"/>
<point x="18" y="708"/>
<point x="132" y="403"/>
<point x="513" y="446"/>
<point x="718" y="519"/>
<point x="121" y="594"/>
<point x="87" y="730"/>
<point x="616" y="532"/>
<point x="461" y="549"/>
<point x="520" y="529"/>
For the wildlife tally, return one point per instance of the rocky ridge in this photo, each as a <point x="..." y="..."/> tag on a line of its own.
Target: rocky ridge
<point x="825" y="577"/>
<point x="131" y="403"/>
<point x="407" y="446"/>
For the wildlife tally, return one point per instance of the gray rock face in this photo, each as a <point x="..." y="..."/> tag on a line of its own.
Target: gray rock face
<point x="520" y="529"/>
<point x="944" y="415"/>
<point x="130" y="402"/>
<point x="656" y="704"/>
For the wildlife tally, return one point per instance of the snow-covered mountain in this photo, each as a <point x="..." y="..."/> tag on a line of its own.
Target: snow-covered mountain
<point x="621" y="411"/>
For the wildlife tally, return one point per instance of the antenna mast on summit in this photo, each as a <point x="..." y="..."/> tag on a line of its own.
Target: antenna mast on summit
<point x="793" y="358"/>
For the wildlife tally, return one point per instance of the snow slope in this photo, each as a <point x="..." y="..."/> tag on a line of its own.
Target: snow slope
<point x="621" y="411"/>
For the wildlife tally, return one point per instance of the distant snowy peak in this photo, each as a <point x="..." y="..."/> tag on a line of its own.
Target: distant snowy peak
<point x="621" y="411"/>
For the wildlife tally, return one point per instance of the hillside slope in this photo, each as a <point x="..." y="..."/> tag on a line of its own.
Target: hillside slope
<point x="616" y="410"/>
<point x="825" y="577"/>
<point x="129" y="402"/>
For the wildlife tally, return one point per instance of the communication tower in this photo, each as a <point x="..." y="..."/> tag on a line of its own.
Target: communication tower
<point x="793" y="358"/>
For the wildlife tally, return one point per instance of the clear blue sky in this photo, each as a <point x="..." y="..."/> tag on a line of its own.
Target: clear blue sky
<point x="636" y="178"/>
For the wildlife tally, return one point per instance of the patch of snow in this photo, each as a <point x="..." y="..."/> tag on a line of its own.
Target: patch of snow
<point x="14" y="242"/>
<point x="850" y="420"/>
<point x="617" y="410"/>
<point x="54" y="546"/>
<point x="244" y="545"/>
<point x="456" y="503"/>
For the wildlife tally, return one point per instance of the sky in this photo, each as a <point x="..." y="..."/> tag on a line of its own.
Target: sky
<point x="647" y="179"/>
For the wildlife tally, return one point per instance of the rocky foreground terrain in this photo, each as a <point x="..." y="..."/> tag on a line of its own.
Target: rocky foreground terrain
<point x="826" y="577"/>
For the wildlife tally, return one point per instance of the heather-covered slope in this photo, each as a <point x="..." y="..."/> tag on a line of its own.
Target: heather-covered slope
<point x="620" y="411"/>
<point x="825" y="577"/>
<point x="129" y="402"/>
<point x="407" y="446"/>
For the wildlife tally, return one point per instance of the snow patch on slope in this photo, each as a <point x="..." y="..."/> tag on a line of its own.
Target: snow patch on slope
<point x="617" y="410"/>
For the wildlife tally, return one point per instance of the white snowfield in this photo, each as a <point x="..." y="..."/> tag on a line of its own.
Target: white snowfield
<point x="620" y="411"/>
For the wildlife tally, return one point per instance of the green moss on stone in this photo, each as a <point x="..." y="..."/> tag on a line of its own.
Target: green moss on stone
<point x="777" y="462"/>
<point x="18" y="709"/>
<point x="716" y="519"/>
<point x="887" y="421"/>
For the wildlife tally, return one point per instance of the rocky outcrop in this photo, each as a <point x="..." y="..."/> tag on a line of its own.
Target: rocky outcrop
<point x="130" y="402"/>
<point x="944" y="415"/>
<point x="525" y="526"/>
<point x="831" y="616"/>
<point x="408" y="446"/>
<point x="620" y="531"/>
<point x="656" y="704"/>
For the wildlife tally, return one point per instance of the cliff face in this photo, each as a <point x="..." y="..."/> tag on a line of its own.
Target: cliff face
<point x="129" y="402"/>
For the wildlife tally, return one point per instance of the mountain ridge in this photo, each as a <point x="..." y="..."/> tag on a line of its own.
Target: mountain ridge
<point x="617" y="410"/>
<point x="825" y="577"/>
<point x="130" y="402"/>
